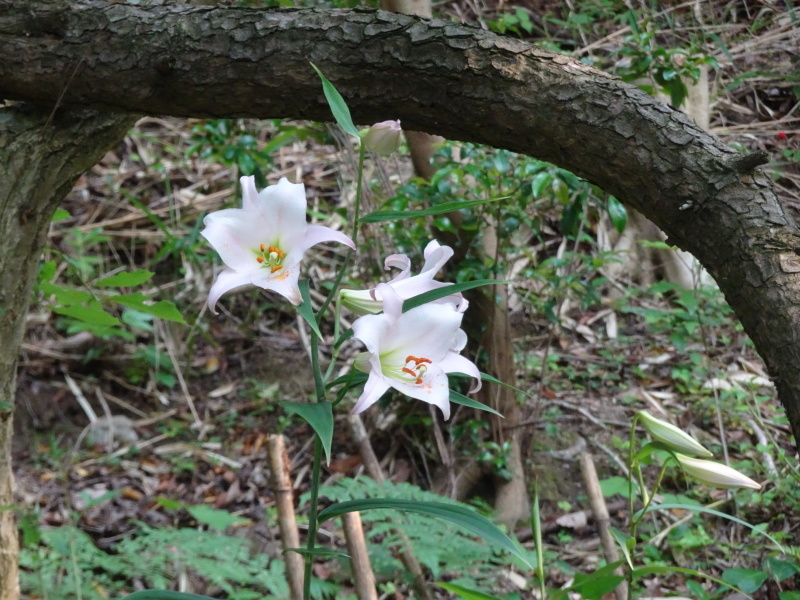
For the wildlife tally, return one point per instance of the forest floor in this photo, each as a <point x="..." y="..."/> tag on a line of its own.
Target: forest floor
<point x="192" y="405"/>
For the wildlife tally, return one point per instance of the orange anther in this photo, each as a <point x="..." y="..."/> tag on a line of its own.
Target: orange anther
<point x="409" y="358"/>
<point x="419" y="380"/>
<point x="275" y="269"/>
<point x="262" y="247"/>
<point x="409" y="371"/>
<point x="260" y="259"/>
<point x="422" y="360"/>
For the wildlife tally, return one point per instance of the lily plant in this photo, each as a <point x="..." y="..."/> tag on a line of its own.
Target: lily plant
<point x="263" y="242"/>
<point x="412" y="352"/>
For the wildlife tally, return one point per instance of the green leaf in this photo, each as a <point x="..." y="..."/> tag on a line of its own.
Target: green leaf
<point x="306" y="310"/>
<point x="623" y="540"/>
<point x="125" y="279"/>
<point x="338" y="106"/>
<point x="218" y="519"/>
<point x="789" y="595"/>
<point x="6" y="406"/>
<point x="447" y="291"/>
<point x="463" y="592"/>
<point x="665" y="569"/>
<point x="321" y="552"/>
<point x="617" y="214"/>
<point x="60" y="215"/>
<point x="459" y="398"/>
<point x="164" y="595"/>
<point x="92" y="313"/>
<point x="66" y="295"/>
<point x="446" y="207"/>
<point x="163" y="309"/>
<point x="716" y="513"/>
<point x="460" y="515"/>
<point x="594" y="586"/>
<point x="747" y="580"/>
<point x="319" y="416"/>
<point x="137" y="319"/>
<point x="781" y="569"/>
<point x="613" y="486"/>
<point x="353" y="378"/>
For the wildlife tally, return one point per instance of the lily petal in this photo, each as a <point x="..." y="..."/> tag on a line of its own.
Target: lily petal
<point x="428" y="331"/>
<point x="234" y="233"/>
<point x="285" y="206"/>
<point x="433" y="390"/>
<point x="284" y="282"/>
<point x="375" y="387"/>
<point x="371" y="329"/>
<point x="249" y="193"/>
<point x="227" y="280"/>
<point x="455" y="363"/>
<point x="398" y="261"/>
<point x="317" y="234"/>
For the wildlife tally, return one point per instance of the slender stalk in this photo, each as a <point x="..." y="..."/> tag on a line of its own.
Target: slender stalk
<point x="319" y="385"/>
<point x="349" y="255"/>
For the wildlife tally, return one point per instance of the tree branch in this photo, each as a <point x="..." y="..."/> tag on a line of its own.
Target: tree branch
<point x="452" y="80"/>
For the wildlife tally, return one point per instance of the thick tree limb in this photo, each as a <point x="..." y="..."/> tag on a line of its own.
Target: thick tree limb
<point x="41" y="156"/>
<point x="456" y="81"/>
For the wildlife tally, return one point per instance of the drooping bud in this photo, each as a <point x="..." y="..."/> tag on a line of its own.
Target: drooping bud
<point x="670" y="436"/>
<point x="715" y="474"/>
<point x="383" y="138"/>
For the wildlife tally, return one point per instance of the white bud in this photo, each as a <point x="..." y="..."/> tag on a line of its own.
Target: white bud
<point x="383" y="138"/>
<point x="715" y="474"/>
<point x="670" y="436"/>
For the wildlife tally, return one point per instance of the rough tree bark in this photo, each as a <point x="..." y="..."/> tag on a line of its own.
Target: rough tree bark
<point x="456" y="81"/>
<point x="43" y="153"/>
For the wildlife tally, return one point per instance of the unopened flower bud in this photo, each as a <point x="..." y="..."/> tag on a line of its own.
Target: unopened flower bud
<point x="383" y="138"/>
<point x="670" y="436"/>
<point x="715" y="474"/>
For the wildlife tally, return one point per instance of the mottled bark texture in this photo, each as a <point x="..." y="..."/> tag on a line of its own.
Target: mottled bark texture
<point x="452" y="80"/>
<point x="42" y="154"/>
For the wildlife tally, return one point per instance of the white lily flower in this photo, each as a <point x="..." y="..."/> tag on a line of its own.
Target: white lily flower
<point x="714" y="473"/>
<point x="263" y="242"/>
<point x="412" y="352"/>
<point x="363" y="302"/>
<point x="670" y="436"/>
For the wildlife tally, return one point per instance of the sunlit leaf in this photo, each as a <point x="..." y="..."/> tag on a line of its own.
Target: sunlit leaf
<point x="466" y="593"/>
<point x="459" y="398"/>
<point x="125" y="279"/>
<point x="306" y="309"/>
<point x="460" y="515"/>
<point x="446" y="207"/>
<point x="319" y="416"/>
<point x="447" y="291"/>
<point x="338" y="106"/>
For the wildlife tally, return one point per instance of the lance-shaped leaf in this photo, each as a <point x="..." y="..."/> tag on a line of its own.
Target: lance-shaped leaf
<point x="319" y="416"/>
<point x="454" y="513"/>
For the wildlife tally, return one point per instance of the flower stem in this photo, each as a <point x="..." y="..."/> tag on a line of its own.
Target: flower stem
<point x="349" y="255"/>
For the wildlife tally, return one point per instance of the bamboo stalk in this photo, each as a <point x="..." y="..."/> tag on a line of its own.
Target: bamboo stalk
<point x="602" y="519"/>
<point x="281" y="481"/>
<point x="363" y="577"/>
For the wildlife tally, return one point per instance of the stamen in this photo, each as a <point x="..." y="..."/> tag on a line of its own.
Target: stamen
<point x="260" y="258"/>
<point x="419" y="380"/>
<point x="410" y="372"/>
<point x="276" y="269"/>
<point x="409" y="358"/>
<point x="422" y="360"/>
<point x="262" y="247"/>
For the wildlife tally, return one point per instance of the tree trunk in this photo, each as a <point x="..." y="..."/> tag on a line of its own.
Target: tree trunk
<point x="43" y="153"/>
<point x="466" y="84"/>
